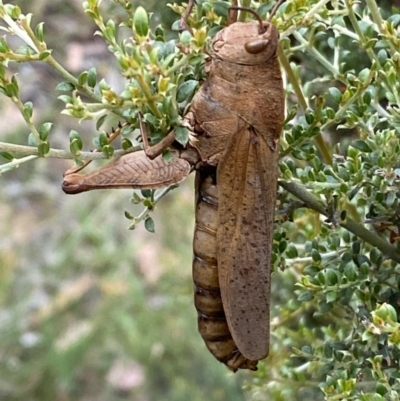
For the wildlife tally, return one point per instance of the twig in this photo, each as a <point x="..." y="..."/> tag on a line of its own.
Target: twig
<point x="360" y="231"/>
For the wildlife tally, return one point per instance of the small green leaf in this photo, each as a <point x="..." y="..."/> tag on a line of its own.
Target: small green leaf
<point x="291" y="251"/>
<point x="185" y="38"/>
<point x="43" y="55"/>
<point x="43" y="149"/>
<point x="385" y="312"/>
<point x="305" y="296"/>
<point x="136" y="198"/>
<point x="356" y="247"/>
<point x="108" y="151"/>
<point x="331" y="277"/>
<point x="336" y="94"/>
<point x="159" y="33"/>
<point x="44" y="131"/>
<point x="331" y="296"/>
<point x="27" y="111"/>
<point x="350" y="271"/>
<point x="39" y="31"/>
<point x="309" y="115"/>
<point x="361" y="145"/>
<point x="185" y="90"/>
<point x="65" y="86"/>
<point x="316" y="257"/>
<point x="128" y="215"/>
<point x="221" y="8"/>
<point x="126" y="143"/>
<point x="74" y="147"/>
<point x="103" y="139"/>
<point x="324" y="306"/>
<point x="75" y="138"/>
<point x="181" y="135"/>
<point x="8" y="156"/>
<point x="167" y="156"/>
<point x="31" y="140"/>
<point x="100" y="121"/>
<point x="141" y="22"/>
<point x="391" y="198"/>
<point x="382" y="56"/>
<point x="149" y="225"/>
<point x="82" y="78"/>
<point x="92" y="77"/>
<point x="363" y="75"/>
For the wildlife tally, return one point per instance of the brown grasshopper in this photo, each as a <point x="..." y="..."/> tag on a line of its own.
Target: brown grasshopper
<point x="236" y="118"/>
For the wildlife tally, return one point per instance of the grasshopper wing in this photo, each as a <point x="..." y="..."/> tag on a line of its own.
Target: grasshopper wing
<point x="247" y="180"/>
<point x="133" y="170"/>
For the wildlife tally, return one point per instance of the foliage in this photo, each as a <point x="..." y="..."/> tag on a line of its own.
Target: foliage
<point x="336" y="249"/>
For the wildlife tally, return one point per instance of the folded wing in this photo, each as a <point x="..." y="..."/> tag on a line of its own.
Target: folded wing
<point x="247" y="179"/>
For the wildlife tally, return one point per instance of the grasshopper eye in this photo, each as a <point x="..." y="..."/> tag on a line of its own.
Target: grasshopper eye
<point x="256" y="46"/>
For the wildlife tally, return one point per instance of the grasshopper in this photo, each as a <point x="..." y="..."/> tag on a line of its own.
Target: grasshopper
<point x="235" y="122"/>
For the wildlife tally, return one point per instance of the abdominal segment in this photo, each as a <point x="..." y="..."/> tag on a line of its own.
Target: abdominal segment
<point x="212" y="323"/>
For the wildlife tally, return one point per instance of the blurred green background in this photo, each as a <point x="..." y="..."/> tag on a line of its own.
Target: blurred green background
<point x="88" y="309"/>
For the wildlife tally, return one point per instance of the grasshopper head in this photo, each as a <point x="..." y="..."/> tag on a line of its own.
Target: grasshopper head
<point x="246" y="43"/>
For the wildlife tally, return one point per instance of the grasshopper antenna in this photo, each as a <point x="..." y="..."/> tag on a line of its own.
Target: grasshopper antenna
<point x="249" y="10"/>
<point x="235" y="8"/>
<point x="275" y="9"/>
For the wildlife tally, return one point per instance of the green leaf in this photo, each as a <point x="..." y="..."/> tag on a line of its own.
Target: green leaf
<point x="309" y="115"/>
<point x="221" y="8"/>
<point x="141" y="22"/>
<point x="167" y="156"/>
<point x="185" y="37"/>
<point x="27" y="111"/>
<point x="364" y="74"/>
<point x="350" y="271"/>
<point x="108" y="151"/>
<point x="43" y="149"/>
<point x="43" y="55"/>
<point x="8" y="156"/>
<point x="382" y="56"/>
<point x="336" y="94"/>
<point x="146" y="193"/>
<point x="185" y="90"/>
<point x="149" y="225"/>
<point x="100" y="121"/>
<point x="331" y="277"/>
<point x="291" y="251"/>
<point x="126" y="143"/>
<point x="75" y="138"/>
<point x="39" y="31"/>
<point x="31" y="140"/>
<point x="136" y="198"/>
<point x="92" y="77"/>
<point x="181" y="135"/>
<point x="82" y="78"/>
<point x="128" y="215"/>
<point x="65" y="86"/>
<point x="356" y="247"/>
<point x="74" y="147"/>
<point x="305" y="296"/>
<point x="331" y="296"/>
<point x="316" y="257"/>
<point x="361" y="145"/>
<point x="66" y="99"/>
<point x="103" y="139"/>
<point x="44" y="131"/>
<point x="324" y="306"/>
